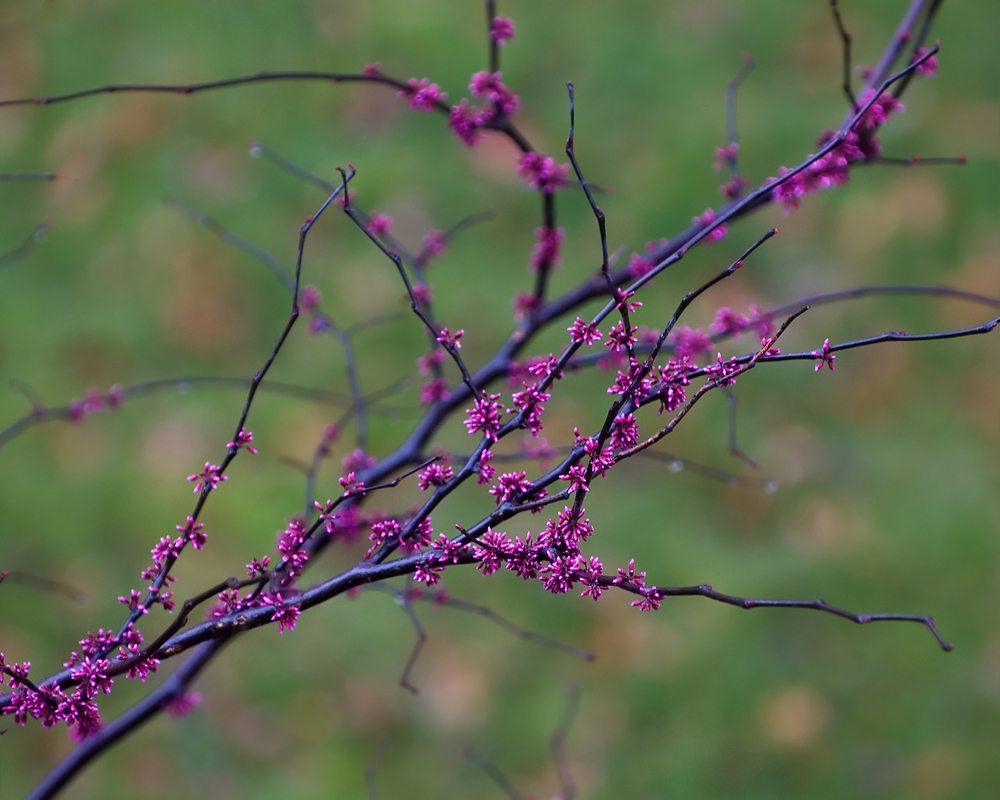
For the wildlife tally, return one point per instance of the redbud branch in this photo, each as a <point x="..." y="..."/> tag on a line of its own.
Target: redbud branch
<point x="16" y="677"/>
<point x="928" y="290"/>
<point x="17" y="177"/>
<point x="889" y="336"/>
<point x="44" y="584"/>
<point x="493" y="44"/>
<point x="361" y="574"/>
<point x="519" y="455"/>
<point x="230" y="237"/>
<point x="919" y="40"/>
<point x="418" y="262"/>
<point x="232" y="451"/>
<point x="371" y="771"/>
<point x="693" y="295"/>
<point x="714" y="383"/>
<point x="258" y="148"/>
<point x="732" y="90"/>
<point x="545" y="268"/>
<point x="897" y="43"/>
<point x="182" y="618"/>
<point x="845" y="39"/>
<point x="506" y="624"/>
<point x="494" y="773"/>
<point x="687" y="238"/>
<point x="734" y="447"/>
<point x="418" y="644"/>
<point x="598" y="216"/>
<point x="706" y="590"/>
<point x="678" y="463"/>
<point x="286" y="278"/>
<point x="242" y="80"/>
<point x="501" y="123"/>
<point x="394" y="257"/>
<point x="497" y="365"/>
<point x="323" y="448"/>
<point x="16" y="254"/>
<point x="675" y="463"/>
<point x="765" y="191"/>
<point x="419" y="276"/>
<point x="366" y="572"/>
<point x="916" y="161"/>
<point x="347" y="496"/>
<point x="682" y="306"/>
<point x="741" y="364"/>
<point x="822" y="298"/>
<point x="41" y="413"/>
<point x="115" y="731"/>
<point x="557" y="744"/>
<point x="449" y="234"/>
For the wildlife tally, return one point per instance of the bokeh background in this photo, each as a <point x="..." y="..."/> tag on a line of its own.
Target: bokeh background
<point x="887" y="473"/>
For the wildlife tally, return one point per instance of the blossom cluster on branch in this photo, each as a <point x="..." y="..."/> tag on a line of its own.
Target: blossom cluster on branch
<point x="663" y="364"/>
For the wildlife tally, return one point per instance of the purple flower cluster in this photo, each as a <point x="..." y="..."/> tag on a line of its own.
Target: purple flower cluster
<point x="422" y="95"/>
<point x="833" y="169"/>
<point x="502" y="30"/>
<point x="95" y="402"/>
<point x="485" y="416"/>
<point x="467" y="121"/>
<point x="548" y="245"/>
<point x="542" y="172"/>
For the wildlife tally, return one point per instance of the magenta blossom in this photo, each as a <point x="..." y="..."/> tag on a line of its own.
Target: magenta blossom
<point x="928" y="67"/>
<point x="583" y="332"/>
<point x="620" y="338"/>
<point x="257" y="567"/>
<point x="450" y="340"/>
<point x="502" y="29"/>
<point x="489" y="85"/>
<point x="309" y="298"/>
<point x="182" y="704"/>
<point x="725" y="154"/>
<point x="624" y="431"/>
<point x="526" y="304"/>
<point x="357" y="460"/>
<point x="510" y="485"/>
<point x="638" y="266"/>
<point x="467" y="121"/>
<point x="707" y="219"/>
<point x="542" y="172"/>
<point x="379" y="224"/>
<point x="824" y="357"/>
<point x="548" y="243"/>
<point x="194" y="532"/>
<point x="436" y="474"/>
<point x="690" y="342"/>
<point x="434" y="390"/>
<point x="729" y="322"/>
<point x="208" y="479"/>
<point x="434" y="243"/>
<point x="485" y="416"/>
<point x="284" y="614"/>
<point x="485" y="469"/>
<point x="422" y="94"/>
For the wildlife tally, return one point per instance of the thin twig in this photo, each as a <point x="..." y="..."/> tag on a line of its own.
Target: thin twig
<point x="845" y="40"/>
<point x="12" y="256"/>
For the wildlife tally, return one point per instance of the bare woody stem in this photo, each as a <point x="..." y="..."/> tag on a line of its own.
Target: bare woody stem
<point x="210" y="636"/>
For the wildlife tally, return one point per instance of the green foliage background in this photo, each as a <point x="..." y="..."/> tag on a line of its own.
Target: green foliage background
<point x="887" y="469"/>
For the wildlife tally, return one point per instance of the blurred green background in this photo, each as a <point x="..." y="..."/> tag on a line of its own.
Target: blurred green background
<point x="887" y="468"/>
